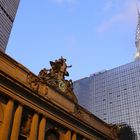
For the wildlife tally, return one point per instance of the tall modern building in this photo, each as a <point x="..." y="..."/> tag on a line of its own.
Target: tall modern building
<point x="8" y="10"/>
<point x="114" y="95"/>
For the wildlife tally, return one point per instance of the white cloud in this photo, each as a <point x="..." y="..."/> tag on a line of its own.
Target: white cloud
<point x="127" y="15"/>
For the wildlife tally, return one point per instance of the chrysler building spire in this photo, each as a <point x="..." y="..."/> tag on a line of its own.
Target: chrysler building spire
<point x="137" y="41"/>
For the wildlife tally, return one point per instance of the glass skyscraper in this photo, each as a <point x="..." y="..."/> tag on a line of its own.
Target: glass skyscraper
<point x="8" y="10"/>
<point x="113" y="95"/>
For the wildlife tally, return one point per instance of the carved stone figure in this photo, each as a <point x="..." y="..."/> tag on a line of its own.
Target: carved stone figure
<point x="43" y="73"/>
<point x="33" y="82"/>
<point x="38" y="84"/>
<point x="26" y="125"/>
<point x="59" y="69"/>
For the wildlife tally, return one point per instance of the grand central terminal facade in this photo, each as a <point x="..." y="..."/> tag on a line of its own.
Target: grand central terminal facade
<point x="43" y="106"/>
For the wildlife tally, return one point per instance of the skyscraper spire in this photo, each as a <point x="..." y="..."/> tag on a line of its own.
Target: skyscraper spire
<point x="137" y="41"/>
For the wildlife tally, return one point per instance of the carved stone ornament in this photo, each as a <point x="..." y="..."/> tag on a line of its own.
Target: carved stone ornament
<point x="77" y="112"/>
<point x="25" y="128"/>
<point x="55" y="78"/>
<point x="114" y="129"/>
<point x="37" y="84"/>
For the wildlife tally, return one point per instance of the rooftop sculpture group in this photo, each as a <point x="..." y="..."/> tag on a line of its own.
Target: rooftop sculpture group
<point x="58" y="70"/>
<point x="55" y="77"/>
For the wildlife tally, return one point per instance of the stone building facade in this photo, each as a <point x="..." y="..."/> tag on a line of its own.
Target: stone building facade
<point x="31" y="109"/>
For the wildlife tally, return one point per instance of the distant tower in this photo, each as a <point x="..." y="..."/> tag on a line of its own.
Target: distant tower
<point x="8" y="9"/>
<point x="137" y="42"/>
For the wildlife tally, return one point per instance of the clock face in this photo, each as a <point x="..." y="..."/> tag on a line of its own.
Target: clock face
<point x="62" y="86"/>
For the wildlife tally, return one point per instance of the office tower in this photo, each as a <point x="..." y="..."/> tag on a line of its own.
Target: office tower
<point x="114" y="95"/>
<point x="8" y="10"/>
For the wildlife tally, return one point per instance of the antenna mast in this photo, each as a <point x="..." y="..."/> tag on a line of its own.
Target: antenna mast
<point x="137" y="41"/>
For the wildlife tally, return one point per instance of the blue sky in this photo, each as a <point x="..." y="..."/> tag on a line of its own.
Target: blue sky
<point x="93" y="35"/>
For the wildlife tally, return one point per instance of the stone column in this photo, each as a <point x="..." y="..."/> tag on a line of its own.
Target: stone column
<point x="16" y="123"/>
<point x="68" y="135"/>
<point x="5" y="130"/>
<point x="42" y="126"/>
<point x="61" y="136"/>
<point x="34" y="127"/>
<point x="74" y="137"/>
